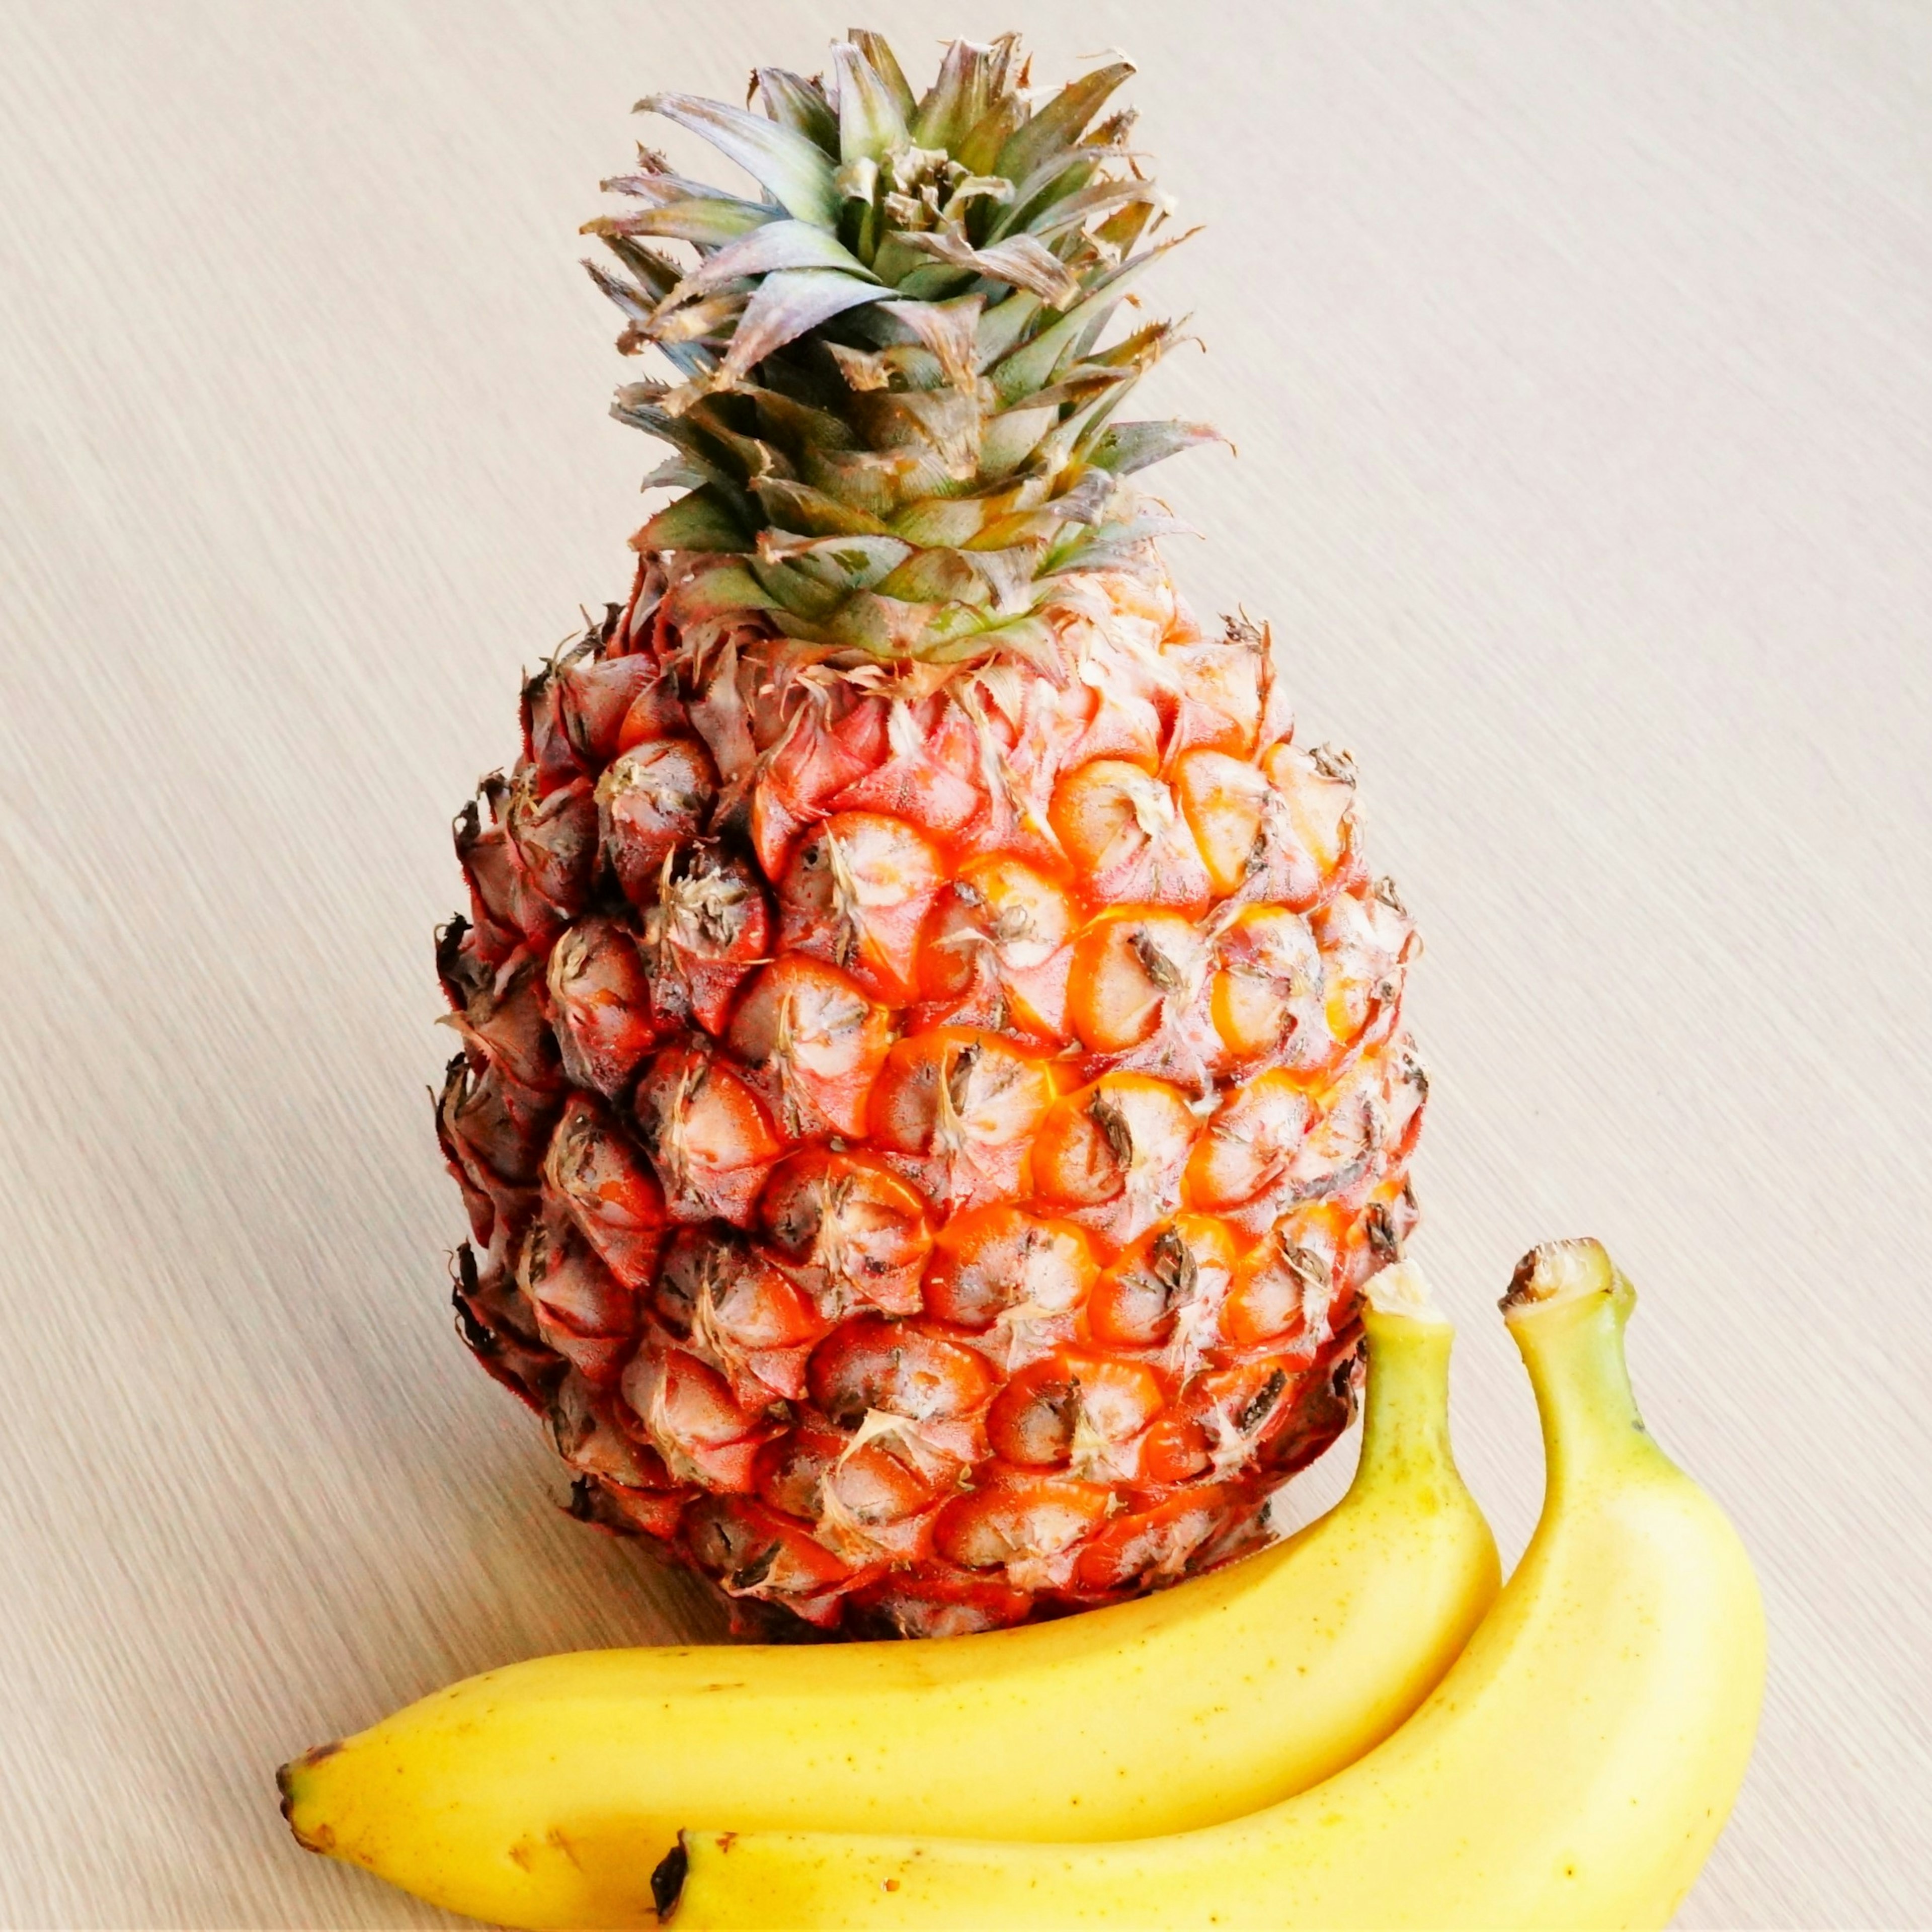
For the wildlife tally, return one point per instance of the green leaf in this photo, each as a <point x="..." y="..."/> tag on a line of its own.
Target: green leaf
<point x="936" y="577"/>
<point x="635" y="304"/>
<point x="1060" y="123"/>
<point x="1030" y="638"/>
<point x="841" y="563"/>
<point x="797" y="506"/>
<point x="980" y="149"/>
<point x="883" y="62"/>
<point x="796" y="427"/>
<point x="745" y="457"/>
<point x="1020" y="261"/>
<point x="1005" y="324"/>
<point x="800" y="105"/>
<point x="1077" y="209"/>
<point x="790" y="166"/>
<point x="786" y="305"/>
<point x="950" y="330"/>
<point x="778" y="244"/>
<point x="1063" y="176"/>
<point x="656" y="274"/>
<point x="793" y="590"/>
<point x="1010" y="437"/>
<point x="882" y="627"/>
<point x="1034" y="364"/>
<point x="1031" y="367"/>
<point x="869" y="480"/>
<point x="942" y="522"/>
<point x="935" y="282"/>
<point x="958" y="100"/>
<point x="1113" y="543"/>
<point x="1128" y="447"/>
<point x="698" y="521"/>
<point x="870" y="124"/>
<point x="721" y="589"/>
<point x="709" y="220"/>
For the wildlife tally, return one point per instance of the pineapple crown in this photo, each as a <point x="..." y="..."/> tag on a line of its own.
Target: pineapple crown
<point x="892" y="418"/>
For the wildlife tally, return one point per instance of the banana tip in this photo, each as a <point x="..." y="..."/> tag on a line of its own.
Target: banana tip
<point x="1401" y="1289"/>
<point x="320" y="1838"/>
<point x="667" y="1880"/>
<point x="1559" y="1271"/>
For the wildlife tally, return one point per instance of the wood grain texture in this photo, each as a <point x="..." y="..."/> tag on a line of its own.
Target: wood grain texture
<point x="1578" y="356"/>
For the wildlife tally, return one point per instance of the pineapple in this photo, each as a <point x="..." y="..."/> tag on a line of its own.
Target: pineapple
<point x="933" y="1084"/>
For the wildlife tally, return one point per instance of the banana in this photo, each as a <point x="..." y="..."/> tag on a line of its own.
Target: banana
<point x="1574" y="1768"/>
<point x="542" y="1794"/>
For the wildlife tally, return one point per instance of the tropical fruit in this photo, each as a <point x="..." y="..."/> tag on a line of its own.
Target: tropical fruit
<point x="933" y="1084"/>
<point x="545" y="1793"/>
<point x="1574" y="1768"/>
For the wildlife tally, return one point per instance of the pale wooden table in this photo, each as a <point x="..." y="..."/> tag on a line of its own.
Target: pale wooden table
<point x="1578" y="356"/>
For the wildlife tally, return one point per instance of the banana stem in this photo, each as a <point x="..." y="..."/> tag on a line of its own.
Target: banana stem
<point x="1566" y="1311"/>
<point x="1406" y="1410"/>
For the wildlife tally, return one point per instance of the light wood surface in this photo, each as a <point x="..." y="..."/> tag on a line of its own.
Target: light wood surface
<point x="1578" y="357"/>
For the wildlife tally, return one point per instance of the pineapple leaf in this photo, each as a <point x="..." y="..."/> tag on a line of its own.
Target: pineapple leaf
<point x="1113" y="543"/>
<point x="883" y="627"/>
<point x="723" y="589"/>
<point x="709" y="220"/>
<point x="1128" y="447"/>
<point x="1020" y="261"/>
<point x="950" y="330"/>
<point x="900" y="348"/>
<point x="797" y="425"/>
<point x="935" y="576"/>
<point x="1030" y="638"/>
<point x="1060" y="123"/>
<point x="949" y="521"/>
<point x="800" y="105"/>
<point x="957" y="100"/>
<point x="883" y="62"/>
<point x="1011" y="437"/>
<point x="676" y="472"/>
<point x="699" y="520"/>
<point x="797" y="506"/>
<point x="787" y="304"/>
<point x="714" y="316"/>
<point x="871" y="123"/>
<point x="1035" y="361"/>
<point x="789" y="166"/>
<point x="653" y="272"/>
<point x="1004" y="325"/>
<point x="841" y="563"/>
<point x="979" y="152"/>
<point x="636" y="306"/>
<point x="778" y="244"/>
<point x="1064" y="175"/>
<point x="1080" y="207"/>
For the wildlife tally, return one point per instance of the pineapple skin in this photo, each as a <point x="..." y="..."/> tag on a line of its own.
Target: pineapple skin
<point x="933" y="1083"/>
<point x="923" y="1153"/>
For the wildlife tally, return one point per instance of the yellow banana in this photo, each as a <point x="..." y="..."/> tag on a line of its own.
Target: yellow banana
<point x="542" y="1794"/>
<point x="1574" y="1768"/>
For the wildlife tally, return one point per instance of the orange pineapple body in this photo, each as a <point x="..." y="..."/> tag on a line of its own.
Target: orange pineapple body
<point x="933" y="1084"/>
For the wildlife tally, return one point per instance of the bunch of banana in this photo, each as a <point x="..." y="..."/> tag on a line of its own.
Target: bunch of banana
<point x="543" y="1794"/>
<point x="1275" y="1744"/>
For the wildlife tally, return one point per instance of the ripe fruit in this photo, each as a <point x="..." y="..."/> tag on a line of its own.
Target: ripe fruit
<point x="933" y="1085"/>
<point x="1573" y="1769"/>
<point x="542" y="1795"/>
